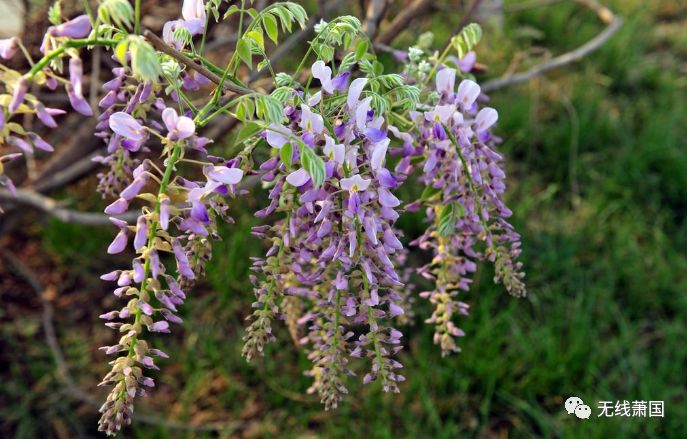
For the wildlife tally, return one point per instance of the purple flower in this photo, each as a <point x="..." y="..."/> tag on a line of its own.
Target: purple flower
<point x="183" y="266"/>
<point x="335" y="152"/>
<point x="485" y="119"/>
<point x="340" y="81"/>
<point x="126" y="126"/>
<point x="298" y="178"/>
<point x="386" y="198"/>
<point x="179" y="127"/>
<point x="78" y="102"/>
<point x="323" y="73"/>
<point x="224" y="175"/>
<point x="446" y="79"/>
<point x="165" y="210"/>
<point x="354" y="91"/>
<point x="168" y="33"/>
<point x="141" y="236"/>
<point x="46" y="114"/>
<point x="375" y="135"/>
<point x="119" y="243"/>
<point x="354" y="185"/>
<point x="78" y="27"/>
<point x="379" y="154"/>
<point x="467" y="63"/>
<point x="20" y="89"/>
<point x="310" y="121"/>
<point x="467" y="94"/>
<point x="39" y="143"/>
<point x="20" y="143"/>
<point x="193" y="12"/>
<point x="8" y="47"/>
<point x="277" y="135"/>
<point x="134" y="188"/>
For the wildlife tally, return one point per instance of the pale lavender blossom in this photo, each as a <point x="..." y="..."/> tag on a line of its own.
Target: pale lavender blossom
<point x="126" y="126"/>
<point x="78" y="27"/>
<point x="179" y="127"/>
<point x="8" y="47"/>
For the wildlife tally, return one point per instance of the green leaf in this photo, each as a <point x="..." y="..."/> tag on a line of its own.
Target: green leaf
<point x="247" y="131"/>
<point x="243" y="49"/>
<point x="55" y="13"/>
<point x="245" y="109"/>
<point x="429" y="193"/>
<point x="256" y="35"/>
<point x="378" y="68"/>
<point x="232" y="10"/>
<point x="270" y="25"/>
<point x="286" y="154"/>
<point x="118" y="11"/>
<point x="144" y="60"/>
<point x="313" y="164"/>
<point x="120" y="51"/>
<point x="282" y="94"/>
<point x="347" y="62"/>
<point x="361" y="49"/>
<point x="467" y="39"/>
<point x="447" y="220"/>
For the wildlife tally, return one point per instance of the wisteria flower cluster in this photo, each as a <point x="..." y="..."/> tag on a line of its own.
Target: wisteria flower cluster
<point x="336" y="145"/>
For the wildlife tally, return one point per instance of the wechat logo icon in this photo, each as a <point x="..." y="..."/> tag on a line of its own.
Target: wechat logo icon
<point x="576" y="406"/>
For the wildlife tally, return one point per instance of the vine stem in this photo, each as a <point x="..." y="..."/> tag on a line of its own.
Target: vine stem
<point x="441" y="59"/>
<point x="73" y="44"/>
<point x="137" y="13"/>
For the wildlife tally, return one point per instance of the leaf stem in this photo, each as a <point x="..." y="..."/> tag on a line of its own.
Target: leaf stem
<point x="137" y="13"/>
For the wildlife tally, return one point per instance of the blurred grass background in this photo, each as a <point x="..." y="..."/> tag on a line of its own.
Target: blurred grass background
<point x="597" y="162"/>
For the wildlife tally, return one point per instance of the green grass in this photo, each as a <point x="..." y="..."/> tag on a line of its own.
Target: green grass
<point x="597" y="159"/>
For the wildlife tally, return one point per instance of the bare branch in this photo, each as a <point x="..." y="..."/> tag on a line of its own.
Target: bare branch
<point x="402" y="20"/>
<point x="373" y="16"/>
<point x="614" y="24"/>
<point x="59" y="178"/>
<point x="52" y="207"/>
<point x="188" y="62"/>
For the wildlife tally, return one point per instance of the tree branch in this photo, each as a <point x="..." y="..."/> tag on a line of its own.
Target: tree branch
<point x="52" y="207"/>
<point x="614" y="24"/>
<point x="402" y="20"/>
<point x="373" y="16"/>
<point x="188" y="62"/>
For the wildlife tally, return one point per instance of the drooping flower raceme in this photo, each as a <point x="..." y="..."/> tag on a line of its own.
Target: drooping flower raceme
<point x="332" y="153"/>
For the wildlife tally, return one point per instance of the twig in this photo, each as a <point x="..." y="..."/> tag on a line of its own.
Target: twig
<point x="567" y="58"/>
<point x="188" y="62"/>
<point x="52" y="207"/>
<point x="70" y="387"/>
<point x="402" y="20"/>
<point x="65" y="176"/>
<point x="374" y="15"/>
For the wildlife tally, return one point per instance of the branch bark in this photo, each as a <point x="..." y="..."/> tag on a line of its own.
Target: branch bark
<point x="52" y="207"/>
<point x="614" y="24"/>
<point x="402" y="20"/>
<point x="374" y="15"/>
<point x="188" y="62"/>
